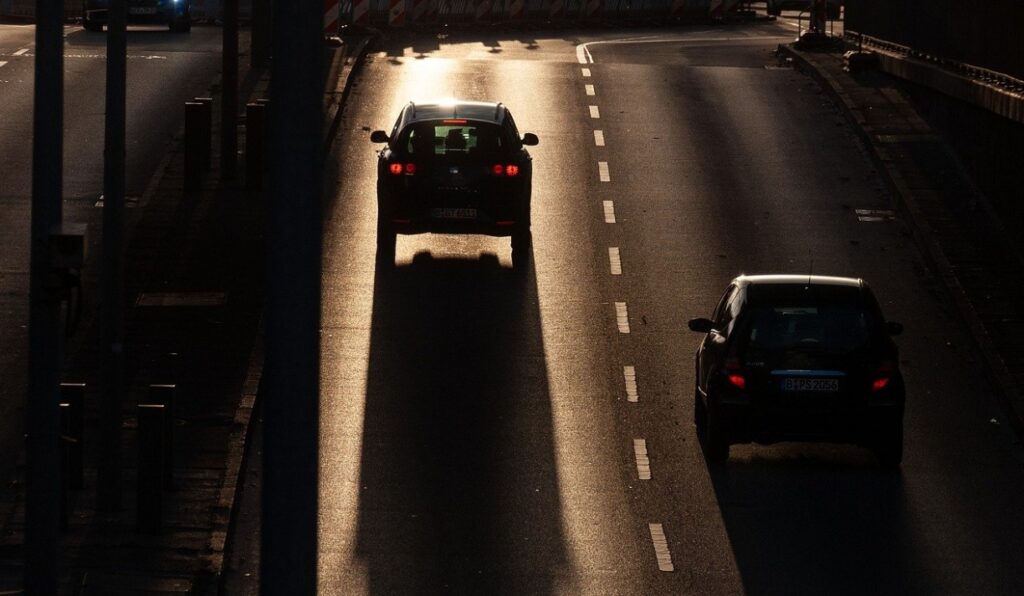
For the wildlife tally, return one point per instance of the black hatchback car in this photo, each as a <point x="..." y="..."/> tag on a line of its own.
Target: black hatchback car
<point x="176" y="14"/>
<point x="456" y="167"/>
<point x="798" y="358"/>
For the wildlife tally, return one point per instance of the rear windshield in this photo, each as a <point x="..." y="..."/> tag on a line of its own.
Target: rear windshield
<point x="452" y="137"/>
<point x="825" y="319"/>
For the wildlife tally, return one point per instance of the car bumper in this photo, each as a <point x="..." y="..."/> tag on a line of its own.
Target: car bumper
<point x="747" y="423"/>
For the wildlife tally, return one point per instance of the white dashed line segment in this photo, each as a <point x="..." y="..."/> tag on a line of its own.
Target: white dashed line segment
<point x="602" y="171"/>
<point x="2" y="63"/>
<point x="609" y="212"/>
<point x="21" y="52"/>
<point x="586" y="72"/>
<point x="643" y="463"/>
<point x="629" y="375"/>
<point x="622" y="317"/>
<point x="590" y="89"/>
<point x="661" y="548"/>
<point x="614" y="261"/>
<point x="594" y="112"/>
<point x="599" y="138"/>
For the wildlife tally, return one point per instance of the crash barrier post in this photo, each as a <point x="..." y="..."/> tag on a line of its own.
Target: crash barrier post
<point x="193" y="145"/>
<point x="361" y="12"/>
<point x="207" y="130"/>
<point x="423" y="11"/>
<point x="163" y="395"/>
<point x="149" y="505"/>
<point x="396" y="13"/>
<point x="72" y="401"/>
<point x="332" y="18"/>
<point x="255" y="132"/>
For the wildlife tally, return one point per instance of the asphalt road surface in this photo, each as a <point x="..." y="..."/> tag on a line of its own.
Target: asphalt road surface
<point x="164" y="70"/>
<point x="480" y="432"/>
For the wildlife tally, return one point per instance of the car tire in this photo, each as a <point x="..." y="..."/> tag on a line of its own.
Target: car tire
<point x="888" y="447"/>
<point x="93" y="26"/>
<point x="386" y="238"/>
<point x="715" y="437"/>
<point x="522" y="250"/>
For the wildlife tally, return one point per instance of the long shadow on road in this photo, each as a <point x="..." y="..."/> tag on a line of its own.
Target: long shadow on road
<point x="459" y="491"/>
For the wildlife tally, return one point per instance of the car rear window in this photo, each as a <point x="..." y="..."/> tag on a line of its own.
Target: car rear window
<point x="453" y="137"/>
<point x="826" y="319"/>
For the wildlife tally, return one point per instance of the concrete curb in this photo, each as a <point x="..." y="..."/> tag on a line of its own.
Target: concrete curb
<point x="1008" y="394"/>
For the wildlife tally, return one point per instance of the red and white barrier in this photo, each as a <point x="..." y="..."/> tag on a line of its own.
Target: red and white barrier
<point x="556" y="9"/>
<point x="678" y="7"/>
<point x="396" y="13"/>
<point x="361" y="12"/>
<point x="517" y="10"/>
<point x="332" y="17"/>
<point x="423" y="11"/>
<point x="593" y="8"/>
<point x="482" y="9"/>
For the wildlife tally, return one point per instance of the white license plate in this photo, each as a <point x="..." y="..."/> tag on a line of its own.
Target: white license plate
<point x="453" y="213"/>
<point x="821" y="385"/>
<point x="143" y="10"/>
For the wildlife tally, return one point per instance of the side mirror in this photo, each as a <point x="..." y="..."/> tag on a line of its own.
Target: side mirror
<point x="379" y="136"/>
<point x="530" y="139"/>
<point x="700" y="325"/>
<point x="894" y="328"/>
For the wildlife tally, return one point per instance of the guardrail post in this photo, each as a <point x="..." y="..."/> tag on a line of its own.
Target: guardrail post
<point x="193" y="145"/>
<point x="207" y="131"/>
<point x="163" y="395"/>
<point x="150" y="478"/>
<point x="72" y="397"/>
<point x="255" y="133"/>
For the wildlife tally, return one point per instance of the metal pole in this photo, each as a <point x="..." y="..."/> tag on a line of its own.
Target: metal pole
<point x="291" y="415"/>
<point x="229" y="93"/>
<point x="260" y="39"/>
<point x="108" y="486"/>
<point x="42" y="503"/>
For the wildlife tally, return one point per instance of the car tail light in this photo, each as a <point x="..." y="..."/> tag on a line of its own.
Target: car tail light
<point x="511" y="170"/>
<point x="737" y="380"/>
<point x="882" y="376"/>
<point x="505" y="170"/>
<point x="733" y="374"/>
<point x="398" y="169"/>
<point x="498" y="169"/>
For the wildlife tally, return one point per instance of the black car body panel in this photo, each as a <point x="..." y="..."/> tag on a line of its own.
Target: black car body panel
<point x="174" y="13"/>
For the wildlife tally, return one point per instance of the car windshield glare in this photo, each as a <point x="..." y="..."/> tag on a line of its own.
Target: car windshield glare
<point x="481" y="140"/>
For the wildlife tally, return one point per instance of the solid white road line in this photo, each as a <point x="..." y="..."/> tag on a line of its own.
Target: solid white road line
<point x="643" y="463"/>
<point x="590" y="89"/>
<point x="614" y="261"/>
<point x="21" y="52"/>
<point x="586" y="72"/>
<point x="629" y="375"/>
<point x="622" y="317"/>
<point x="661" y="547"/>
<point x="594" y="112"/>
<point x="599" y="138"/>
<point x="583" y="54"/>
<point x="602" y="171"/>
<point x="609" y="212"/>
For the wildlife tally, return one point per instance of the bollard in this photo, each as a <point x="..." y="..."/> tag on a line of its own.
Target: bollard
<point x="149" y="486"/>
<point x="163" y="395"/>
<point x="72" y="427"/>
<point x="255" y="133"/>
<point x="207" y="131"/>
<point x="193" y="145"/>
<point x="65" y="457"/>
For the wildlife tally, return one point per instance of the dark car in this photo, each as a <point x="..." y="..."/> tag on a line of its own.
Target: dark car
<point x="176" y="14"/>
<point x="456" y="167"/>
<point x="775" y="7"/>
<point x="798" y="358"/>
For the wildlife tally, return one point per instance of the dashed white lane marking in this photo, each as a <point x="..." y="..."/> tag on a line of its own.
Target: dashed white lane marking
<point x="614" y="261"/>
<point x="661" y="547"/>
<point x="622" y="317"/>
<point x="599" y="138"/>
<point x="602" y="171"/>
<point x="609" y="212"/>
<point x="590" y="89"/>
<point x="629" y="376"/>
<point x="21" y="52"/>
<point x="594" y="112"/>
<point x="2" y="63"/>
<point x="586" y="72"/>
<point x="643" y="463"/>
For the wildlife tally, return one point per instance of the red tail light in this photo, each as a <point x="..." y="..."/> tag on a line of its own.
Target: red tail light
<point x="410" y="168"/>
<point x="880" y="383"/>
<point x="511" y="170"/>
<point x="882" y="376"/>
<point x="738" y="381"/>
<point x="395" y="168"/>
<point x="505" y="170"/>
<point x="398" y="169"/>
<point x="497" y="169"/>
<point x="733" y="374"/>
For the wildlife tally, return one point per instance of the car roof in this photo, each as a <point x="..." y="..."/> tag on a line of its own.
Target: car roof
<point x="797" y="279"/>
<point x="487" y="111"/>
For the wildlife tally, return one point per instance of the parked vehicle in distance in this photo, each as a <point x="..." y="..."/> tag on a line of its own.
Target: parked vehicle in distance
<point x="775" y="7"/>
<point x="798" y="358"/>
<point x="176" y="14"/>
<point x="456" y="167"/>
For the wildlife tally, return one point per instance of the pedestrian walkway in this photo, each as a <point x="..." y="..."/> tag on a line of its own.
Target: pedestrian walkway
<point x="967" y="247"/>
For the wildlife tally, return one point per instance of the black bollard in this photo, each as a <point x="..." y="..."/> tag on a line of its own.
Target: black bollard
<point x="255" y="133"/>
<point x="163" y="395"/>
<point x="150" y="481"/>
<point x="65" y="456"/>
<point x="72" y="427"/>
<point x="207" y="130"/>
<point x="193" y="145"/>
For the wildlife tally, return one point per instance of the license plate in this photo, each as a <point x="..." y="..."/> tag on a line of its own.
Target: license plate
<point x="143" y="10"/>
<point x="819" y="385"/>
<point x="453" y="213"/>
